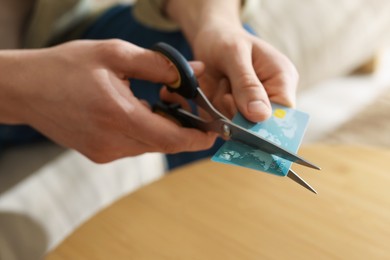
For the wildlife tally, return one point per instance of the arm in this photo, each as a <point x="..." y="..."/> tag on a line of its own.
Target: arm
<point x="78" y="95"/>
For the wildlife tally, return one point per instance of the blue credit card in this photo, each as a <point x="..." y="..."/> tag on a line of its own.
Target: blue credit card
<point x="286" y="128"/>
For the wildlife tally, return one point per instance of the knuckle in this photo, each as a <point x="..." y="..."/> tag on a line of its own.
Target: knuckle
<point x="247" y="80"/>
<point x="289" y="70"/>
<point x="287" y="74"/>
<point x="295" y="73"/>
<point x="96" y="156"/>
<point x="179" y="143"/>
<point x="175" y="144"/>
<point x="284" y="79"/>
<point x="288" y="78"/>
<point x="93" y="151"/>
<point x="169" y="147"/>
<point x="114" y="48"/>
<point x="232" y="46"/>
<point x="292" y="72"/>
<point x="209" y="143"/>
<point x="248" y="84"/>
<point x="166" y="72"/>
<point x="98" y="159"/>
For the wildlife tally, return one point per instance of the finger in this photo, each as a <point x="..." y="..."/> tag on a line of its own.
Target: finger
<point x="139" y="63"/>
<point x="198" y="67"/>
<point x="124" y="147"/>
<point x="146" y="104"/>
<point x="224" y="99"/>
<point x="249" y="94"/>
<point x="279" y="76"/>
<point x="227" y="98"/>
<point x="217" y="99"/>
<point x="282" y="90"/>
<point x="169" y="97"/>
<point x="230" y="105"/>
<point x="164" y="135"/>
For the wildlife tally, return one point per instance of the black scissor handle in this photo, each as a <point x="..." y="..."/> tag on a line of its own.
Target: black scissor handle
<point x="171" y="111"/>
<point x="187" y="83"/>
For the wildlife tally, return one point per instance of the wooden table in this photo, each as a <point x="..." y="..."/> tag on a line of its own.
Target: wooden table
<point x="212" y="211"/>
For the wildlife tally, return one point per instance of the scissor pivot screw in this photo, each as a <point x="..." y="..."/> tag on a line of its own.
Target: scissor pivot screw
<point x="226" y="131"/>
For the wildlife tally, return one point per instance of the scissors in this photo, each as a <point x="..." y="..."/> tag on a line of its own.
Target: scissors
<point x="188" y="87"/>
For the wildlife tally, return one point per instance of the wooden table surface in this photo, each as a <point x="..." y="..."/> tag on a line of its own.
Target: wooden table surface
<point x="212" y="211"/>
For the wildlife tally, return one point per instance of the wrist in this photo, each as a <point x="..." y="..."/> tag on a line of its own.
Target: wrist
<point x="12" y="80"/>
<point x="199" y="15"/>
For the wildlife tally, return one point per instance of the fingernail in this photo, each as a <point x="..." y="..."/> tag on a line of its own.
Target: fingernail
<point x="257" y="106"/>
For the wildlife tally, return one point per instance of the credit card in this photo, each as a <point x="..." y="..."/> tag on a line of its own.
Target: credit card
<point x="286" y="128"/>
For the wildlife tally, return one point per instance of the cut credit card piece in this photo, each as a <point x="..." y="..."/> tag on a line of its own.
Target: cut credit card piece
<point x="286" y="128"/>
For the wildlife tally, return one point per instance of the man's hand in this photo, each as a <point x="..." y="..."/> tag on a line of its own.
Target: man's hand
<point x="78" y="95"/>
<point x="243" y="72"/>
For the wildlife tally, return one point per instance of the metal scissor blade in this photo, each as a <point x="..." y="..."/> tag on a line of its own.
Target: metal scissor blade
<point x="295" y="177"/>
<point x="242" y="135"/>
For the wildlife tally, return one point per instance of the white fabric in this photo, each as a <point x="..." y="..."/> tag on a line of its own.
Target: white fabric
<point x="64" y="193"/>
<point x="323" y="38"/>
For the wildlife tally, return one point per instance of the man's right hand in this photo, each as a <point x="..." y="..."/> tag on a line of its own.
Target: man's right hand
<point x="78" y="95"/>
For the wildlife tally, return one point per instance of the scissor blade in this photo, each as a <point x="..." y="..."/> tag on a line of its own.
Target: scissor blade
<point x="242" y="135"/>
<point x="295" y="177"/>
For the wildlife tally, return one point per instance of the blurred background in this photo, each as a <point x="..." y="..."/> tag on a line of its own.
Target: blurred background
<point x="341" y="50"/>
